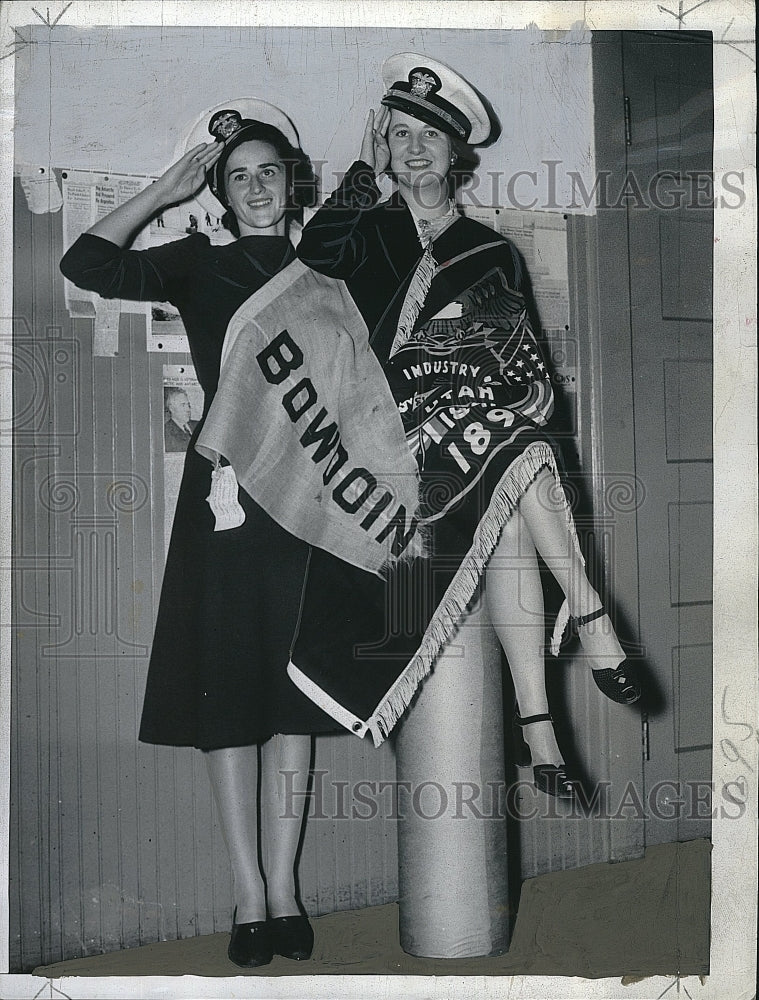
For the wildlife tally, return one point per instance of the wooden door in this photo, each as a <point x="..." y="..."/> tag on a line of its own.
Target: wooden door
<point x="668" y="141"/>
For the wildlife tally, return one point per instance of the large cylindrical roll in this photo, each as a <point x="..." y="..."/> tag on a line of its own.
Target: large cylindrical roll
<point x="451" y="845"/>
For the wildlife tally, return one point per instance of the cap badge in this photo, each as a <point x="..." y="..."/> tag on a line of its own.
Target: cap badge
<point x="423" y="81"/>
<point x="224" y="124"/>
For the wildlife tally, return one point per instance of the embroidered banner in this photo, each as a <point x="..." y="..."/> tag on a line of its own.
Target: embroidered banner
<point x="304" y="415"/>
<point x="474" y="393"/>
<point x="402" y="480"/>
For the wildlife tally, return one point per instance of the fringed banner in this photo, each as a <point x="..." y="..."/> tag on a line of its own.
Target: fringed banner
<point x="304" y="415"/>
<point x="473" y="392"/>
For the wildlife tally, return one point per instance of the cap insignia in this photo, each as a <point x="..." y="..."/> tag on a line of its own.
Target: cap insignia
<point x="224" y="124"/>
<point x="423" y="81"/>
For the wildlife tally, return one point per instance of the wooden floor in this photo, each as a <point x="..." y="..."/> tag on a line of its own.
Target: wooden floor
<point x="634" y="919"/>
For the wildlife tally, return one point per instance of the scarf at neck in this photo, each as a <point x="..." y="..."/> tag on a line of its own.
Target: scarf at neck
<point x="428" y="231"/>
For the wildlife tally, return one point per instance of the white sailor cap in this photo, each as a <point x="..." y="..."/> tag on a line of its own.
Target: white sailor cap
<point x="228" y="123"/>
<point x="436" y="94"/>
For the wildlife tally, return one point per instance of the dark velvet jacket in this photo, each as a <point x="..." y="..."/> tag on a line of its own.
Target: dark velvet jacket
<point x="375" y="248"/>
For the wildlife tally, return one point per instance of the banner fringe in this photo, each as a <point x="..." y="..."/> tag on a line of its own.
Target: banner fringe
<point x="515" y="481"/>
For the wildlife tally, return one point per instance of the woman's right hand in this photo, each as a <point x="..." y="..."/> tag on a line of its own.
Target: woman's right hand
<point x="179" y="183"/>
<point x="188" y="174"/>
<point x="374" y="148"/>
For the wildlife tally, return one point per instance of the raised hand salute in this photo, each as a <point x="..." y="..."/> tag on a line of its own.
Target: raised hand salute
<point x="188" y="174"/>
<point x="180" y="182"/>
<point x="374" y="148"/>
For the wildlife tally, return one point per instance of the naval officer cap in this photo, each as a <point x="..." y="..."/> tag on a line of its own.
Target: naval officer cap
<point x="231" y="124"/>
<point x="436" y="94"/>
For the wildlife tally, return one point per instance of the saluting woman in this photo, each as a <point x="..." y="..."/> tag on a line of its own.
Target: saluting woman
<point x="217" y="677"/>
<point x="437" y="292"/>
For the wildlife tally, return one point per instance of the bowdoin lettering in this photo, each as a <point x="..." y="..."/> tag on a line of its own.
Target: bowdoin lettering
<point x="355" y="490"/>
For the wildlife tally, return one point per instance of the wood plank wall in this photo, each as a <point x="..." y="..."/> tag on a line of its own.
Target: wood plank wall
<point x="115" y="844"/>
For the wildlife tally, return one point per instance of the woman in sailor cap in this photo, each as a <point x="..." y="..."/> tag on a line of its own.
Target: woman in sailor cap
<point x="442" y="298"/>
<point x="217" y="677"/>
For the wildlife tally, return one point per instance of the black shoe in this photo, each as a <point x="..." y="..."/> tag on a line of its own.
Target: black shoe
<point x="620" y="684"/>
<point x="292" y="937"/>
<point x="250" y="944"/>
<point x="549" y="778"/>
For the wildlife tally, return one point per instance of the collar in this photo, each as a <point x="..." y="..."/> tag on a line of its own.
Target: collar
<point x="429" y="229"/>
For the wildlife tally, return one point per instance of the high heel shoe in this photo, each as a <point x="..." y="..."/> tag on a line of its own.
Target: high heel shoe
<point x="549" y="778"/>
<point x="620" y="683"/>
<point x="250" y="945"/>
<point x="292" y="937"/>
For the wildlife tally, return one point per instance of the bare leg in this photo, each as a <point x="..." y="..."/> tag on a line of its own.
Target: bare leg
<point x="514" y="601"/>
<point x="234" y="779"/>
<point x="283" y="809"/>
<point x="545" y="515"/>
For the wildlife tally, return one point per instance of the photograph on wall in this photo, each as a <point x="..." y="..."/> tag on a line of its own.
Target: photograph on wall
<point x="166" y="330"/>
<point x="183" y="406"/>
<point x="182" y="409"/>
<point x="369" y="568"/>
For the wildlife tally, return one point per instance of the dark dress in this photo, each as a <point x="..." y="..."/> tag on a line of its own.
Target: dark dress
<point x="230" y="599"/>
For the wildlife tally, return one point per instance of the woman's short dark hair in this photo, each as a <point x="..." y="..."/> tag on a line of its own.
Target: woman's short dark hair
<point x="302" y="186"/>
<point x="467" y="161"/>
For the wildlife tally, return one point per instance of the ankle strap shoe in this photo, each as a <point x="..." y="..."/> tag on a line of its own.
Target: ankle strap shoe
<point x="552" y="779"/>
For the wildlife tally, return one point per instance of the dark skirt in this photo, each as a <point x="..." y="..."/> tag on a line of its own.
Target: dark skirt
<point x="227" y="615"/>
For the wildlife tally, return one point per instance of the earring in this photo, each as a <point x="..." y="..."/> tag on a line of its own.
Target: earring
<point x="453" y="159"/>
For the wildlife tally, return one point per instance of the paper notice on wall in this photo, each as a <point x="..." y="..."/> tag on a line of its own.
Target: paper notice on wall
<point x="541" y="238"/>
<point x="171" y="224"/>
<point x="111" y="191"/>
<point x="78" y="204"/>
<point x="40" y="187"/>
<point x="182" y="408"/>
<point x="106" y="328"/>
<point x="126" y="188"/>
<point x="183" y="220"/>
<point x="166" y="332"/>
<point x="78" y="216"/>
<point x="88" y="197"/>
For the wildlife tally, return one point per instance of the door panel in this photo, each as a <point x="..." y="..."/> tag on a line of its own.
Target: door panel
<point x="687" y="415"/>
<point x="668" y="86"/>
